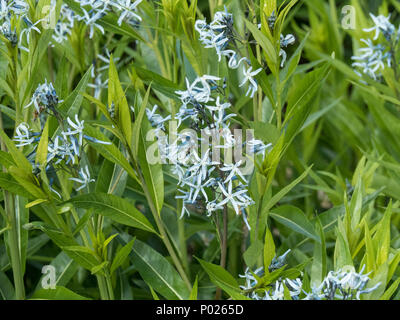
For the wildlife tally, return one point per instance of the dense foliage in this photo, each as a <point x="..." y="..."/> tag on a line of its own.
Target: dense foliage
<point x="219" y="149"/>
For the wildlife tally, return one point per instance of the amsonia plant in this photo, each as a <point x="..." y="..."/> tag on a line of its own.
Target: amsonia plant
<point x="189" y="150"/>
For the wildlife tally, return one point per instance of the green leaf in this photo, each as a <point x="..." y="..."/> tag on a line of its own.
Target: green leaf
<point x="28" y="181"/>
<point x="65" y="268"/>
<point x="158" y="272"/>
<point x="269" y="250"/>
<point x="382" y="237"/>
<point x="99" y="269"/>
<point x="253" y="253"/>
<point x="319" y="265"/>
<point x="296" y="220"/>
<point x="114" y="208"/>
<point x="121" y="256"/>
<point x="223" y="279"/>
<point x="158" y="82"/>
<point x="154" y="294"/>
<point x="268" y="47"/>
<point x="391" y="290"/>
<point x="117" y="96"/>
<point x="110" y="23"/>
<point x="153" y="184"/>
<point x="82" y="222"/>
<point x="109" y="151"/>
<point x="19" y="158"/>
<point x="369" y="251"/>
<point x="59" y="293"/>
<point x="73" y="102"/>
<point x="278" y="196"/>
<point x="330" y="217"/>
<point x="293" y="62"/>
<point x="300" y="97"/>
<point x="342" y="256"/>
<point x="7" y="182"/>
<point x="41" y="153"/>
<point x="138" y="123"/>
<point x="6" y="288"/>
<point x="83" y="257"/>
<point x="6" y="160"/>
<point x="193" y="293"/>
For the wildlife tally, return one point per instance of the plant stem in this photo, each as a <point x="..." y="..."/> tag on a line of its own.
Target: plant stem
<point x="109" y="285"/>
<point x="224" y="245"/>
<point x="102" y="287"/>
<point x="182" y="242"/>
<point x="160" y="226"/>
<point x="14" y="247"/>
<point x="165" y="239"/>
<point x="12" y="236"/>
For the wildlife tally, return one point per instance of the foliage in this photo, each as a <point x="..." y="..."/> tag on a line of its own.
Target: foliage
<point x="317" y="218"/>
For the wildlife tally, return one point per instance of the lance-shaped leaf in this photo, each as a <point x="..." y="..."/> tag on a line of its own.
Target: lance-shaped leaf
<point x="59" y="293"/>
<point x="41" y="154"/>
<point x="116" y="96"/>
<point x="84" y="257"/>
<point x="19" y="158"/>
<point x="109" y="151"/>
<point x="296" y="220"/>
<point x="223" y="279"/>
<point x="113" y="207"/>
<point x="158" y="272"/>
<point x="151" y="169"/>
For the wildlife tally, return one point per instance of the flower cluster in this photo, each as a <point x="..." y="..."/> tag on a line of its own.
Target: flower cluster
<point x="45" y="96"/>
<point x="342" y="285"/>
<point x="91" y="12"/>
<point x="218" y="35"/>
<point x="64" y="24"/>
<point x="285" y="41"/>
<point x="205" y="182"/>
<point x="275" y="290"/>
<point x="337" y="285"/>
<point x="375" y="57"/>
<point x="66" y="147"/>
<point x="19" y="9"/>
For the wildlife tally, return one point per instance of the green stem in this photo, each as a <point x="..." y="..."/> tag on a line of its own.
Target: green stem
<point x="160" y="225"/>
<point x="12" y="236"/>
<point x="109" y="285"/>
<point x="102" y="287"/>
<point x="278" y="103"/>
<point x="15" y="256"/>
<point x="182" y="242"/>
<point x="168" y="245"/>
<point x="224" y="246"/>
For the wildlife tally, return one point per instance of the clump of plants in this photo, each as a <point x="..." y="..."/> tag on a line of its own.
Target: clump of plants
<point x="180" y="149"/>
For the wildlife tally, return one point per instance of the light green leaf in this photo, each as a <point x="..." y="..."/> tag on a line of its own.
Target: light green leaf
<point x="121" y="256"/>
<point x="59" y="293"/>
